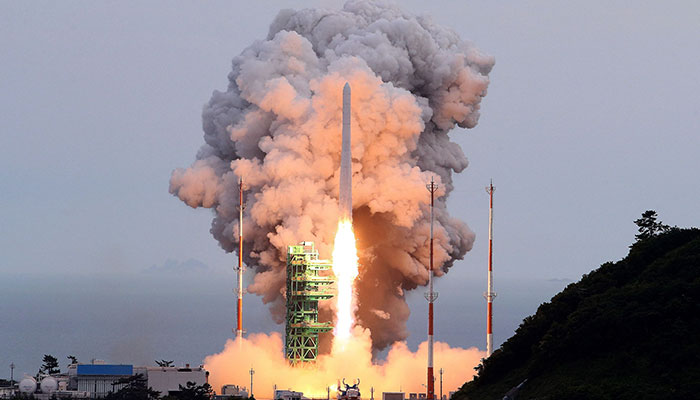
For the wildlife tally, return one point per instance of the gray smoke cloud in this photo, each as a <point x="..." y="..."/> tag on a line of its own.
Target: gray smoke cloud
<point x="278" y="125"/>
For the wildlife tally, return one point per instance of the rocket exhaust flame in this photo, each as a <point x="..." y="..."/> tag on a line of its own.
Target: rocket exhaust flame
<point x="346" y="270"/>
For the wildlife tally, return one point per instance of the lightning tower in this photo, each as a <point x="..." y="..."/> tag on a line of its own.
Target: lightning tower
<point x="490" y="294"/>
<point x="431" y="296"/>
<point x="239" y="315"/>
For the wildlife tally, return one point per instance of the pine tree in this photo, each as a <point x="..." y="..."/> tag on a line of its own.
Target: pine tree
<point x="649" y="226"/>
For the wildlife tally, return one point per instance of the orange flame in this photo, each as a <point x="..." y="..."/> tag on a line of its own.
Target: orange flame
<point x="346" y="270"/>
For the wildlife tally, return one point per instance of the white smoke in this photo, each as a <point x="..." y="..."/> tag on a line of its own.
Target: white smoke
<point x="278" y="125"/>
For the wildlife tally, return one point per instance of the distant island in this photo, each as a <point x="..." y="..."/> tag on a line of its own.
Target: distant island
<point x="627" y="330"/>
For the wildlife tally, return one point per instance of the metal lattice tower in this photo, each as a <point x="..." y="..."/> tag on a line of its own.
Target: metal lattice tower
<point x="489" y="295"/>
<point x="431" y="296"/>
<point x="305" y="287"/>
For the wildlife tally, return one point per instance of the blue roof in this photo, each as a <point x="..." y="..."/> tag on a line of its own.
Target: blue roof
<point x="105" y="369"/>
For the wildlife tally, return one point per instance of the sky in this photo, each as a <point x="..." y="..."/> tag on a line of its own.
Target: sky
<point x="591" y="118"/>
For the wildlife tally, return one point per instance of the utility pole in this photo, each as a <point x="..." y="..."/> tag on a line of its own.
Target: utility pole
<point x="252" y="372"/>
<point x="12" y="374"/>
<point x="431" y="296"/>
<point x="441" y="371"/>
<point x="239" y="315"/>
<point x="490" y="294"/>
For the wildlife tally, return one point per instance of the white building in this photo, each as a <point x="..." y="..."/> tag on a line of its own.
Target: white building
<point x="98" y="379"/>
<point x="288" y="395"/>
<point x="393" y="396"/>
<point x="234" y="391"/>
<point x="167" y="380"/>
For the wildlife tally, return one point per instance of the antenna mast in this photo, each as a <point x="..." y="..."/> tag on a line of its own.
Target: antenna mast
<point x="490" y="294"/>
<point x="431" y="296"/>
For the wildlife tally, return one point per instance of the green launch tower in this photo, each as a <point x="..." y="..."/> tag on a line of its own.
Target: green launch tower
<point x="305" y="287"/>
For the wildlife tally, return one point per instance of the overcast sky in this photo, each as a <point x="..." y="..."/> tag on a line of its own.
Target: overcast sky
<point x="592" y="117"/>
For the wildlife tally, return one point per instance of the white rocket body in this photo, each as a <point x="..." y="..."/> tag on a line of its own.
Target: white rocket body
<point x="345" y="196"/>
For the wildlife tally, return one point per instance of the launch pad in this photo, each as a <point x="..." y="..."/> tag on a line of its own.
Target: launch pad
<point x="305" y="287"/>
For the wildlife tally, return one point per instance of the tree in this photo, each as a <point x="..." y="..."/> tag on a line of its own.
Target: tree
<point x="648" y="226"/>
<point x="479" y="367"/>
<point x="50" y="365"/>
<point x="135" y="388"/>
<point x="73" y="360"/>
<point x="192" y="391"/>
<point x="164" y="363"/>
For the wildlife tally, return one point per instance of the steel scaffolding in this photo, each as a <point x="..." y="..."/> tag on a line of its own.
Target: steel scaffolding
<point x="305" y="287"/>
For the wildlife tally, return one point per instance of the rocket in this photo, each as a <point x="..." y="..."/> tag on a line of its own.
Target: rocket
<point x="345" y="195"/>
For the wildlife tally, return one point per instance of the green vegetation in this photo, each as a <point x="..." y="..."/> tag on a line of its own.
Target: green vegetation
<point x="628" y="330"/>
<point x="49" y="365"/>
<point x="165" y="363"/>
<point x="192" y="391"/>
<point x="648" y="226"/>
<point x="135" y="388"/>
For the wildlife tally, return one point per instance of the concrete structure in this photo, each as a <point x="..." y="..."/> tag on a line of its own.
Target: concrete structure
<point x="98" y="379"/>
<point x="234" y="391"/>
<point x="288" y="395"/>
<point x="393" y="396"/>
<point x="167" y="380"/>
<point x="7" y="392"/>
<point x="305" y="287"/>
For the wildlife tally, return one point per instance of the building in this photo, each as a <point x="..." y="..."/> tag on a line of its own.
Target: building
<point x="234" y="391"/>
<point x="288" y="395"/>
<point x="307" y="283"/>
<point x="167" y="380"/>
<point x="393" y="396"/>
<point x="98" y="379"/>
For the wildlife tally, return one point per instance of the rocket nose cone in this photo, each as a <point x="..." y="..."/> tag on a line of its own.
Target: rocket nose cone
<point x="346" y="88"/>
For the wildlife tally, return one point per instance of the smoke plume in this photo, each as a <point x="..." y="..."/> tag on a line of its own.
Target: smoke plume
<point x="402" y="369"/>
<point x="278" y="126"/>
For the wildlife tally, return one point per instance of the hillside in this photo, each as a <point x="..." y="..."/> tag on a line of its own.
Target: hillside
<point x="628" y="330"/>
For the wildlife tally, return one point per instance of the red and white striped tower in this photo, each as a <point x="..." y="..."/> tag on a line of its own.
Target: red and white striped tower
<point x="490" y="294"/>
<point x="431" y="296"/>
<point x="239" y="322"/>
